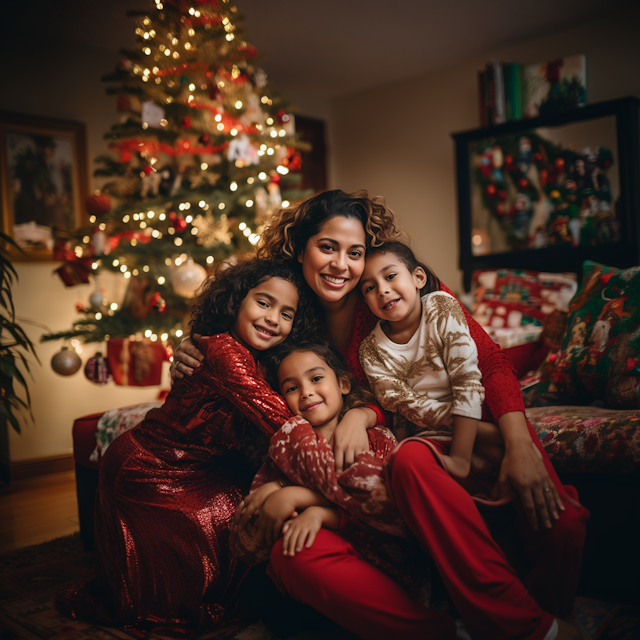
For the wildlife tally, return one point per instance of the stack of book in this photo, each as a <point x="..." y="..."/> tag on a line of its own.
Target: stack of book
<point x="511" y="91"/>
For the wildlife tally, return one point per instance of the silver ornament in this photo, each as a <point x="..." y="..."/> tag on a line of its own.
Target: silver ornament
<point x="187" y="278"/>
<point x="66" y="362"/>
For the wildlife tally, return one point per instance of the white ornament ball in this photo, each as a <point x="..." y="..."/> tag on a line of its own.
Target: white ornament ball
<point x="66" y="362"/>
<point x="187" y="278"/>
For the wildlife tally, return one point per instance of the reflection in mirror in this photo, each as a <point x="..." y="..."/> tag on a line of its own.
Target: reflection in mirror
<point x="549" y="186"/>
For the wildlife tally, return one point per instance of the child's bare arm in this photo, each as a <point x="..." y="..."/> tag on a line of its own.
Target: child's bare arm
<point x="252" y="503"/>
<point x="302" y="531"/>
<point x="464" y="437"/>
<point x="282" y="505"/>
<point x="489" y="433"/>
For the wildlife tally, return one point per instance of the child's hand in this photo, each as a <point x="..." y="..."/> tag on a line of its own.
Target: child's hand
<point x="250" y="506"/>
<point x="277" y="508"/>
<point x="301" y="531"/>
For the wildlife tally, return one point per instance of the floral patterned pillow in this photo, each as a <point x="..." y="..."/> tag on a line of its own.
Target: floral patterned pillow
<point x="115" y="422"/>
<point x="600" y="354"/>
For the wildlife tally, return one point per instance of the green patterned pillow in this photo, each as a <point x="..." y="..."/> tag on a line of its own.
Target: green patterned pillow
<point x="600" y="354"/>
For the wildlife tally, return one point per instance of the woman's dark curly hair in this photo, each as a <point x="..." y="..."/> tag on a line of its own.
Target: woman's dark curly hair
<point x="408" y="258"/>
<point x="219" y="300"/>
<point x="289" y="230"/>
<point x="357" y="397"/>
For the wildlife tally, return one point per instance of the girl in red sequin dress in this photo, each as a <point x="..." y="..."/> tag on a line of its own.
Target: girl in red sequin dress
<point x="328" y="236"/>
<point x="169" y="487"/>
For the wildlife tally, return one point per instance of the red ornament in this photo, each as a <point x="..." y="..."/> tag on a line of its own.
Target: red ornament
<point x="499" y="209"/>
<point x="293" y="160"/>
<point x="508" y="161"/>
<point x="98" y="204"/>
<point x="179" y="224"/>
<point x="607" y="163"/>
<point x="172" y="215"/>
<point x="523" y="183"/>
<point x="553" y="357"/>
<point x="157" y="302"/>
<point x="275" y="179"/>
<point x="148" y="169"/>
<point x="79" y="307"/>
<point x="502" y="194"/>
<point x="126" y="156"/>
<point x="537" y="157"/>
<point x="490" y="190"/>
<point x="544" y="174"/>
<point x="186" y="122"/>
<point x="281" y="114"/>
<point x="559" y="164"/>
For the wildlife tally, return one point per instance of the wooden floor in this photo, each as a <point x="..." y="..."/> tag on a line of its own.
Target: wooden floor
<point x="36" y="510"/>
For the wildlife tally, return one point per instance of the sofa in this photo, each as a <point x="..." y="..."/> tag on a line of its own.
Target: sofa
<point x="581" y="383"/>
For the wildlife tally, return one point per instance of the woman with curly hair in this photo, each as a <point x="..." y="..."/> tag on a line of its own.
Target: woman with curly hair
<point x="169" y="487"/>
<point x="328" y="236"/>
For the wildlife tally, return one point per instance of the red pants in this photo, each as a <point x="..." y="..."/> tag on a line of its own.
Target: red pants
<point x="493" y="603"/>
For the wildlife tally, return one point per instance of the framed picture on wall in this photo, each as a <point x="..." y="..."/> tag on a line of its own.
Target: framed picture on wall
<point x="548" y="193"/>
<point x="43" y="181"/>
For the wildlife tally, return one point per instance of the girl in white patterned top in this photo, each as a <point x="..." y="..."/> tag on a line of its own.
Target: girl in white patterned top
<point x="420" y="359"/>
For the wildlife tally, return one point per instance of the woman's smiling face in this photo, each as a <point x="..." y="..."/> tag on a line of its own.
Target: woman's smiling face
<point x="333" y="259"/>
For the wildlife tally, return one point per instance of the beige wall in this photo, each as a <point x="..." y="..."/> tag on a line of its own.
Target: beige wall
<point x="395" y="140"/>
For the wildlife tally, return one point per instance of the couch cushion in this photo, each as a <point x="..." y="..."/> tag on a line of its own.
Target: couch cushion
<point x="600" y="353"/>
<point x="115" y="422"/>
<point x="589" y="439"/>
<point x="512" y="305"/>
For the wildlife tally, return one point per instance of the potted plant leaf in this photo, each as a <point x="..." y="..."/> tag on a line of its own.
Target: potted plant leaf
<point x="14" y="348"/>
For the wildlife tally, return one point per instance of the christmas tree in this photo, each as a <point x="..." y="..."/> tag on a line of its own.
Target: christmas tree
<point x="203" y="153"/>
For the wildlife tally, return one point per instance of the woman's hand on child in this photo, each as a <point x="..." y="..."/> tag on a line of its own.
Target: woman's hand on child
<point x="276" y="510"/>
<point x="250" y="506"/>
<point x="350" y="437"/>
<point x="524" y="470"/>
<point x="186" y="357"/>
<point x="301" y="531"/>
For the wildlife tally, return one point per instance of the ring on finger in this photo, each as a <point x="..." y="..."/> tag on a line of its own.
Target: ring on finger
<point x="546" y="489"/>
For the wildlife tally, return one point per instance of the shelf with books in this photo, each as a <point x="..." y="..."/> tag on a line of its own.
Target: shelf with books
<point x="511" y="91"/>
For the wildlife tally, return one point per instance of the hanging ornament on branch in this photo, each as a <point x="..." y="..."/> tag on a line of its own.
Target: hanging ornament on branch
<point x="187" y="278"/>
<point x="98" y="204"/>
<point x="66" y="362"/>
<point x="97" y="369"/>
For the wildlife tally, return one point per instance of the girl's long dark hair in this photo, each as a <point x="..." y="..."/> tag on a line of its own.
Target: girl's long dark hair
<point x="357" y="397"/>
<point x="404" y="253"/>
<point x="219" y="300"/>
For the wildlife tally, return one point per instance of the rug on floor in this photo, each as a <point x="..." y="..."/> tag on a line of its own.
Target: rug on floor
<point x="31" y="577"/>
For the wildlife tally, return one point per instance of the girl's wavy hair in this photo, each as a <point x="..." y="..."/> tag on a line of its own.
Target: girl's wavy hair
<point x="359" y="396"/>
<point x="217" y="305"/>
<point x="290" y="229"/>
<point x="408" y="258"/>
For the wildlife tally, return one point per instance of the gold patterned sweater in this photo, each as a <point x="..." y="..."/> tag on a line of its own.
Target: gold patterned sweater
<point x="431" y="378"/>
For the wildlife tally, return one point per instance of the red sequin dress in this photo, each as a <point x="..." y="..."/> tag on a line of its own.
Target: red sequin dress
<point x="168" y="489"/>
